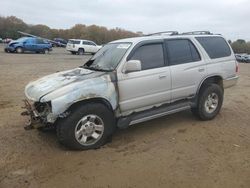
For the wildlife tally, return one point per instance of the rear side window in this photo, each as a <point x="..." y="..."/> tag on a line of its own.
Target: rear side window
<point x="150" y="55"/>
<point x="216" y="47"/>
<point x="39" y="41"/>
<point x="74" y="41"/>
<point x="182" y="51"/>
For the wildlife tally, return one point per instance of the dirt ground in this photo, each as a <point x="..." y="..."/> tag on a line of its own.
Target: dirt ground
<point x="173" y="151"/>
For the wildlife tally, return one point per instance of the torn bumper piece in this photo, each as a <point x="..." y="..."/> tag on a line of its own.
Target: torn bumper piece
<point x="33" y="120"/>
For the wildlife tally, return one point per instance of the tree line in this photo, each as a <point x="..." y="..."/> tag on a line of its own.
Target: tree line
<point x="101" y="35"/>
<point x="240" y="46"/>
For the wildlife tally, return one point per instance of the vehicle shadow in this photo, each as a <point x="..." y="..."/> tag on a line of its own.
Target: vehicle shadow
<point x="123" y="137"/>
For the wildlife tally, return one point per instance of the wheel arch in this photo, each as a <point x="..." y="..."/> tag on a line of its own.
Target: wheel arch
<point x="81" y="48"/>
<point x="19" y="47"/>
<point x="100" y="100"/>
<point x="212" y="79"/>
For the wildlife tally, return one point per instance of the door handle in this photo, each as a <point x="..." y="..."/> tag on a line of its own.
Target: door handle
<point x="201" y="69"/>
<point x="162" y="76"/>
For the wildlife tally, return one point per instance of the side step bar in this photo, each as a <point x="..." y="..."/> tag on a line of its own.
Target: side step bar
<point x="153" y="113"/>
<point x="158" y="115"/>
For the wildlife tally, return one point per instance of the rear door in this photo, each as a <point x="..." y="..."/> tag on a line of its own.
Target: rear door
<point x="186" y="66"/>
<point x="29" y="44"/>
<point x="39" y="46"/>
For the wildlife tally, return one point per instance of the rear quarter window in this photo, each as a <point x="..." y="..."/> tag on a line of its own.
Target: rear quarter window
<point x="216" y="47"/>
<point x="74" y="41"/>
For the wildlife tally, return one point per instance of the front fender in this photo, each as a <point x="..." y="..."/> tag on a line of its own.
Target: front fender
<point x="97" y="88"/>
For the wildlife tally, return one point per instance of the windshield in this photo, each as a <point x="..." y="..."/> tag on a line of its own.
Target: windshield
<point x="108" y="57"/>
<point x="22" y="39"/>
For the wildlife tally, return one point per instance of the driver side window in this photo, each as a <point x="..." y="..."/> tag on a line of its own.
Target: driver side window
<point x="150" y="55"/>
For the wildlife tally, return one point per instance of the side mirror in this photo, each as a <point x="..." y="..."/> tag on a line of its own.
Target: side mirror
<point x="132" y="66"/>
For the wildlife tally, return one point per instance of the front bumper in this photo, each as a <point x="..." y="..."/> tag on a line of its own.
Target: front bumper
<point x="38" y="115"/>
<point x="9" y="49"/>
<point x="229" y="82"/>
<point x="33" y="119"/>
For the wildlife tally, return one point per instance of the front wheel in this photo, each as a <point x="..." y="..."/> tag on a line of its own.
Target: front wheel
<point x="87" y="127"/>
<point x="46" y="51"/>
<point x="209" y="102"/>
<point x="19" y="50"/>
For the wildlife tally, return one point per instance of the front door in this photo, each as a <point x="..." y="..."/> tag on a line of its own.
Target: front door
<point x="150" y="86"/>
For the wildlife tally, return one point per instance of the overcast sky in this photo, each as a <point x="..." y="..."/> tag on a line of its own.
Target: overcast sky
<point x="228" y="17"/>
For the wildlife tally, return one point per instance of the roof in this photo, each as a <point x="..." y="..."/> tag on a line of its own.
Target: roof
<point x="82" y="40"/>
<point x="162" y="35"/>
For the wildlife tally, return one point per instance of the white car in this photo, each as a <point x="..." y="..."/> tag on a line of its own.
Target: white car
<point x="133" y="80"/>
<point x="78" y="46"/>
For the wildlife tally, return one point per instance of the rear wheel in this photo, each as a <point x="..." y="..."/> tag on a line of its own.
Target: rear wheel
<point x="209" y="102"/>
<point x="46" y="51"/>
<point x="87" y="127"/>
<point x="81" y="51"/>
<point x="19" y="50"/>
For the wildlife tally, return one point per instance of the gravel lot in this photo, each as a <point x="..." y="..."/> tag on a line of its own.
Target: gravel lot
<point x="173" y="151"/>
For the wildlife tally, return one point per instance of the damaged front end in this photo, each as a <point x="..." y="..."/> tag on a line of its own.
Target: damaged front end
<point x="37" y="114"/>
<point x="52" y="95"/>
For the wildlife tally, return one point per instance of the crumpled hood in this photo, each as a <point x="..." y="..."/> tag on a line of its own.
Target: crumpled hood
<point x="13" y="42"/>
<point x="45" y="85"/>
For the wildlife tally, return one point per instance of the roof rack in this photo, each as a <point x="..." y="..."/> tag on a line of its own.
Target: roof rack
<point x="197" y="33"/>
<point x="185" y="33"/>
<point x="164" y="33"/>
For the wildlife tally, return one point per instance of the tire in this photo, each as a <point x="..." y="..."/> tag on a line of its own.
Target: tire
<point x="46" y="51"/>
<point x="73" y="130"/>
<point x="19" y="50"/>
<point x="80" y="51"/>
<point x="209" y="102"/>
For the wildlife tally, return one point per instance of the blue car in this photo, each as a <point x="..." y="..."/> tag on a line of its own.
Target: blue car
<point x="31" y="44"/>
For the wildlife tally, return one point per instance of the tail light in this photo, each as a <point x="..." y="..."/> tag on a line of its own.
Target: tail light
<point x="237" y="67"/>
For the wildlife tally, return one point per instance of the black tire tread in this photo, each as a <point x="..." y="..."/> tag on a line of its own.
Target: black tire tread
<point x="199" y="111"/>
<point x="66" y="126"/>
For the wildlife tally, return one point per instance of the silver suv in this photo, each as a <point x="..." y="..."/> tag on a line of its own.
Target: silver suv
<point x="133" y="80"/>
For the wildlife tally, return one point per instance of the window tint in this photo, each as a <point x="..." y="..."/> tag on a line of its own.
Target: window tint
<point x="39" y="41"/>
<point x="74" y="41"/>
<point x="182" y="51"/>
<point x="150" y="55"/>
<point x="85" y="43"/>
<point x="91" y="43"/>
<point x="215" y="47"/>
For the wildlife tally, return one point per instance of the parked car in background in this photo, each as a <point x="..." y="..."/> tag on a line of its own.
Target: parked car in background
<point x="239" y="57"/>
<point x="247" y="58"/>
<point x="59" y="42"/>
<point x="29" y="44"/>
<point x="78" y="46"/>
<point x="7" y="40"/>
